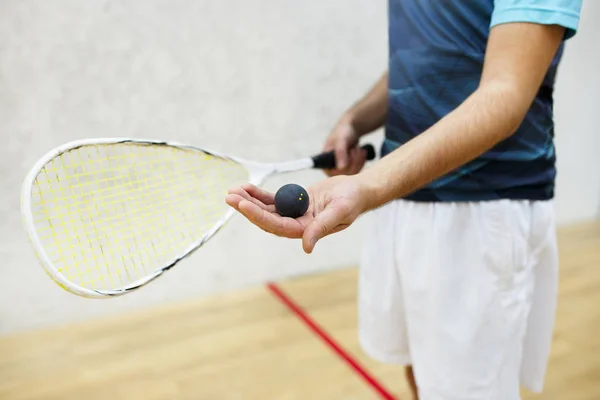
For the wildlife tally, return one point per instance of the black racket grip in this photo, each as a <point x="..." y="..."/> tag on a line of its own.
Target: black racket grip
<point x="327" y="160"/>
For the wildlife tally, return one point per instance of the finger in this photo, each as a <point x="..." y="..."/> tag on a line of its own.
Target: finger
<point x="332" y="172"/>
<point x="358" y="160"/>
<point x="233" y="200"/>
<point x="341" y="154"/>
<point x="270" y="222"/>
<point x="262" y="195"/>
<point x="329" y="145"/>
<point x="325" y="223"/>
<point x="248" y="196"/>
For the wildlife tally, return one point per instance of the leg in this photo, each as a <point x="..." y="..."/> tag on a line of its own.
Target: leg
<point x="381" y="315"/>
<point x="467" y="284"/>
<point x="410" y="377"/>
<point x="465" y="287"/>
<point x="544" y="261"/>
<point x="382" y="326"/>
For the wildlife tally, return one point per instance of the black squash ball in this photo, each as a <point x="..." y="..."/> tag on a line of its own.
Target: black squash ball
<point x="291" y="200"/>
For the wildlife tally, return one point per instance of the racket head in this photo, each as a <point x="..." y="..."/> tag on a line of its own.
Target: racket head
<point x="107" y="216"/>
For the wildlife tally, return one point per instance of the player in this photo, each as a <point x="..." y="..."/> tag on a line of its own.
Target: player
<point x="458" y="279"/>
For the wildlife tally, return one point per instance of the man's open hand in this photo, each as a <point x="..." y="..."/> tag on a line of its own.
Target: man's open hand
<point x="334" y="205"/>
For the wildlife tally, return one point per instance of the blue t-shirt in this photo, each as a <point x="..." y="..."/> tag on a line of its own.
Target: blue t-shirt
<point x="436" y="55"/>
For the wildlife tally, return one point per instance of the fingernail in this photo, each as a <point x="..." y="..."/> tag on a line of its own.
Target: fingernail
<point x="313" y="243"/>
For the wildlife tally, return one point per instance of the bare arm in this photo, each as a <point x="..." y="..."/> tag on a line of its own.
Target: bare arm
<point x="517" y="59"/>
<point x="368" y="114"/>
<point x="516" y="62"/>
<point x="365" y="116"/>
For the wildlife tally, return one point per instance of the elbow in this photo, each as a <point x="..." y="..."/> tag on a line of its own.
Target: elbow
<point x="508" y="105"/>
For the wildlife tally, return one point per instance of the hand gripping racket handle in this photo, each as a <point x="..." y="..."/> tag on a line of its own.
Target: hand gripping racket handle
<point x="327" y="160"/>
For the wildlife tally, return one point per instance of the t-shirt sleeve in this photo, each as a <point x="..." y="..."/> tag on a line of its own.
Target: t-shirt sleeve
<point x="565" y="13"/>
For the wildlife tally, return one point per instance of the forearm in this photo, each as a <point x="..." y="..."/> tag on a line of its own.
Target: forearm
<point x="368" y="114"/>
<point x="513" y="72"/>
<point x="488" y="116"/>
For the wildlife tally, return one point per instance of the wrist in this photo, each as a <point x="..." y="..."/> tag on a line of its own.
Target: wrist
<point x="372" y="191"/>
<point x="348" y="119"/>
<point x="355" y="122"/>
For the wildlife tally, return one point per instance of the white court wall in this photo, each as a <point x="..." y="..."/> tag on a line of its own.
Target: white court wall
<point x="577" y="116"/>
<point x="262" y="79"/>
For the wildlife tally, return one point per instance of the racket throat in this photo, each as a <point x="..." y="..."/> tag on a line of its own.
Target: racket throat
<point x="295" y="165"/>
<point x="259" y="172"/>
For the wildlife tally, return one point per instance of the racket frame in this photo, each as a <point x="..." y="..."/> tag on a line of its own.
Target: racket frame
<point x="259" y="172"/>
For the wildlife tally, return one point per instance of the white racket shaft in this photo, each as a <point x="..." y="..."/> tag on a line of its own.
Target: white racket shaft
<point x="107" y="216"/>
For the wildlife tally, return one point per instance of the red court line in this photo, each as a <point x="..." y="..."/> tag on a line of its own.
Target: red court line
<point x="329" y="340"/>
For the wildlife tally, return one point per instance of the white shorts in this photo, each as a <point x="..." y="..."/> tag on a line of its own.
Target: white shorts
<point x="464" y="292"/>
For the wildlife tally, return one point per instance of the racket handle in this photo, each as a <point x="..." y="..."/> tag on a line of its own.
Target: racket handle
<point x="327" y="160"/>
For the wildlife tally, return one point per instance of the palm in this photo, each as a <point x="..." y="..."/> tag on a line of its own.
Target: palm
<point x="334" y="204"/>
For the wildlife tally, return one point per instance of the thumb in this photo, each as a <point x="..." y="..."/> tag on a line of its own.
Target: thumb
<point x="326" y="222"/>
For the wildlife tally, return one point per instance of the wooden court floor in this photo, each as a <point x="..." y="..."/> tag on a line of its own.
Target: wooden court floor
<point x="251" y="345"/>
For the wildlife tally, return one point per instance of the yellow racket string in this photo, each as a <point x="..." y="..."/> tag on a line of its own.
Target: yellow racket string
<point x="108" y="215"/>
